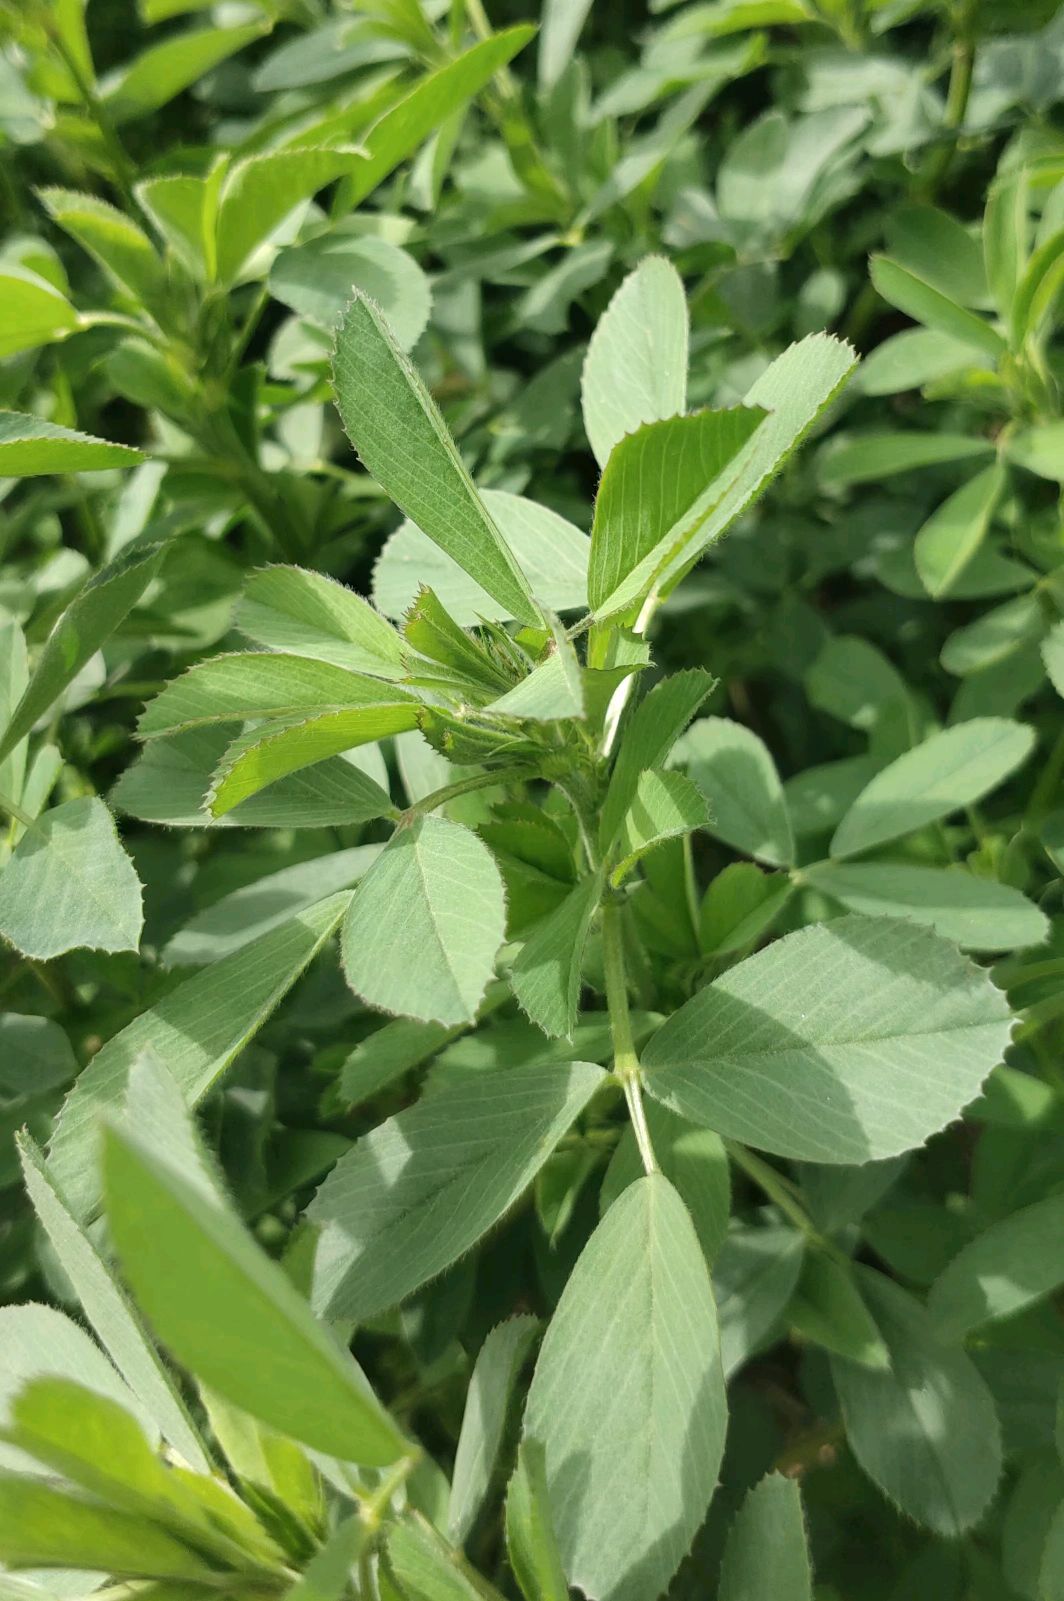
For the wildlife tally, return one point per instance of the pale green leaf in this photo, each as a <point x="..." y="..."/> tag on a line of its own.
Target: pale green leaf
<point x="924" y="1430"/>
<point x="693" y="1160"/>
<point x="397" y="429"/>
<point x="32" y="312"/>
<point x="231" y="1315"/>
<point x="108" y="1308"/>
<point x="666" y="805"/>
<point x="498" y="1365"/>
<point x="739" y="906"/>
<point x="911" y="359"/>
<point x="652" y="483"/>
<point x="419" y="1191"/>
<point x="844" y="1042"/>
<point x="70" y="884"/>
<point x="950" y="770"/>
<point x="978" y="913"/>
<point x="531" y="1543"/>
<point x="308" y="614"/>
<point x="628" y="1398"/>
<point x="559" y="32"/>
<point x="14" y="676"/>
<point x="1005" y="235"/>
<point x="163" y="70"/>
<point x="738" y="777"/>
<point x="30" y="446"/>
<point x="388" y="1054"/>
<point x="754" y="1277"/>
<point x="942" y="251"/>
<point x="259" y="192"/>
<point x="316" y="279"/>
<point x="196" y="1029"/>
<point x="554" y="689"/>
<point x="1013" y="1264"/>
<point x="327" y="1575"/>
<point x="860" y="458"/>
<point x="546" y="974"/>
<point x="117" y="243"/>
<point x="184" y="209"/>
<point x="35" y="1055"/>
<point x="766" y="1557"/>
<point x="636" y="366"/>
<point x="425" y="924"/>
<point x="827" y="1309"/>
<point x="647" y="738"/>
<point x="955" y="530"/>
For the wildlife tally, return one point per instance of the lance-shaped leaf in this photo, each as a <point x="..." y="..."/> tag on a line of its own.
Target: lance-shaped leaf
<point x="979" y="913"/>
<point x="107" y="1306"/>
<point x="1053" y="657"/>
<point x="653" y="729"/>
<point x="231" y="1315"/>
<point x="425" y="924"/>
<point x="754" y="1276"/>
<point x="309" y="614"/>
<point x="419" y="1191"/>
<point x="32" y="311"/>
<point x="794" y="391"/>
<point x="91" y="617"/>
<point x="69" y="884"/>
<point x="848" y="1041"/>
<point x="164" y="70"/>
<point x="666" y="805"/>
<point x="546" y="974"/>
<point x="233" y="689"/>
<point x="636" y="366"/>
<point x="31" y="447"/>
<point x="396" y="427"/>
<point x="766" y="1557"/>
<point x="924" y="1429"/>
<point x="955" y="530"/>
<point x="954" y="768"/>
<point x="45" y="1526"/>
<point x="196" y="1029"/>
<point x="735" y="770"/>
<point x="1015" y="1263"/>
<point x="495" y="1373"/>
<point x="628" y="1398"/>
<point x="653" y="479"/>
<point x="531" y="1543"/>
<point x="259" y="191"/>
<point x="117" y="243"/>
<point x="284" y="745"/>
<point x="925" y="303"/>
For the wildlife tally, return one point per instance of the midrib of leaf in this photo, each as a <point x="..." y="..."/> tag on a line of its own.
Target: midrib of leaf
<point x="440" y="946"/>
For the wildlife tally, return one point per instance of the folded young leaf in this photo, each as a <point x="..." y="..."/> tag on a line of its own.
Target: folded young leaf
<point x="196" y="1030"/>
<point x="531" y="1543"/>
<point x="845" y="1042"/>
<point x="276" y="749"/>
<point x="653" y="729"/>
<point x="766" y="1557"/>
<point x="1014" y="1264"/>
<point x="666" y="805"/>
<point x="924" y="303"/>
<point x="827" y="1309"/>
<point x="636" y="366"/>
<point x="955" y="531"/>
<point x="259" y="191"/>
<point x="628" y="1398"/>
<point x="69" y="884"/>
<point x="495" y="1373"/>
<point x="978" y="913"/>
<point x="30" y="447"/>
<point x="545" y="976"/>
<point x="755" y="1275"/>
<point x="44" y="1526"/>
<point x="230" y="1315"/>
<point x="308" y="614"/>
<point x="925" y="1429"/>
<point x="396" y="427"/>
<point x="419" y="1191"/>
<point x="121" y="247"/>
<point x="653" y="480"/>
<point x="425" y="924"/>
<point x="426" y="1568"/>
<point x="735" y="771"/>
<point x="739" y="906"/>
<point x="951" y="769"/>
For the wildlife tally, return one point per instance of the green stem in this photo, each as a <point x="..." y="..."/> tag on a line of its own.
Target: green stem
<point x="17" y="813"/>
<point x="626" y="1068"/>
<point x="778" y="1190"/>
<point x="373" y="1507"/>
<point x="465" y="786"/>
<point x="957" y="96"/>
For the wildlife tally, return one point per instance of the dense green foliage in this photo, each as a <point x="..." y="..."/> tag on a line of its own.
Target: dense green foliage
<point x="532" y="1030"/>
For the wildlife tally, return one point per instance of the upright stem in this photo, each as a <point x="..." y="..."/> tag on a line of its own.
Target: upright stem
<point x="625" y="1059"/>
<point x="957" y="96"/>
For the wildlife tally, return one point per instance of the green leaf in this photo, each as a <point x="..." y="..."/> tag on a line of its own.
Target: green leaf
<point x="827" y="1308"/>
<point x="1013" y="1264"/>
<point x="196" y="1029"/>
<point x="165" y="69"/>
<point x="388" y="1054"/>
<point x="560" y="30"/>
<point x="924" y="1430"/>
<point x="955" y="531"/>
<point x="315" y="279"/>
<point x="550" y="551"/>
<point x="35" y="1055"/>
<point x="940" y="250"/>
<point x="227" y="925"/>
<point x="70" y="884"/>
<point x="736" y="773"/>
<point x="978" y="913"/>
<point x="554" y="689"/>
<point x="44" y="1526"/>
<point x="308" y="614"/>
<point x="655" y="480"/>
<point x="531" y="1543"/>
<point x="666" y="805"/>
<point x="950" y="770"/>
<point x="1053" y="656"/>
<point x="911" y="359"/>
<point x="90" y="619"/>
<point x="1050" y="1578"/>
<point x="847" y="1041"/>
<point x="435" y="895"/>
<point x="1038" y="288"/>
<point x="692" y="1159"/>
<point x="327" y="1575"/>
<point x="498" y="1365"/>
<point x="628" y="1398"/>
<point x="1040" y="450"/>
<point x="739" y="906"/>
<point x="396" y="427"/>
<point x="109" y="1310"/>
<point x="231" y="1315"/>
<point x="184" y="209"/>
<point x="1005" y="235"/>
<point x="861" y="458"/>
<point x="29" y="447"/>
<point x="636" y="366"/>
<point x="113" y="239"/>
<point x="32" y="312"/>
<point x="276" y="749"/>
<point x="413" y="119"/>
<point x="925" y="303"/>
<point x="766" y="1557"/>
<point x="419" y="1191"/>
<point x="653" y="729"/>
<point x="546" y="974"/>
<point x="258" y="193"/>
<point x="754" y="1276"/>
<point x="426" y="1568"/>
<point x="262" y="684"/>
